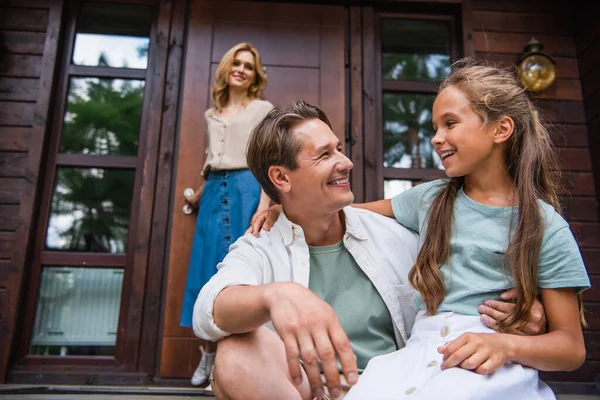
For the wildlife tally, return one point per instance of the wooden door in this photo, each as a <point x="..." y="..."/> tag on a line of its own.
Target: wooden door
<point x="302" y="48"/>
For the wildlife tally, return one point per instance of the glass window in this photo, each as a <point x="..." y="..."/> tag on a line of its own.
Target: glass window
<point x="113" y="35"/>
<point x="407" y="131"/>
<point x="90" y="210"/>
<point x="415" y="50"/>
<point x="102" y="116"/>
<point x="392" y="187"/>
<point x="77" y="311"/>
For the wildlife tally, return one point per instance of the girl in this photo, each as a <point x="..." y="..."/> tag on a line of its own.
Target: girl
<point x="228" y="194"/>
<point x="495" y="224"/>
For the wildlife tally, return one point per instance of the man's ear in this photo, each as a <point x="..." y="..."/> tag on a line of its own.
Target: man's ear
<point x="280" y="178"/>
<point x="504" y="129"/>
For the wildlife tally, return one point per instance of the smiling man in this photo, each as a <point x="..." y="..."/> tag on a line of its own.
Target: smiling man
<point x="330" y="280"/>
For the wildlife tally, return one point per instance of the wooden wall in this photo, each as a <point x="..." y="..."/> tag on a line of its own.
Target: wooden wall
<point x="28" y="42"/>
<point x="501" y="29"/>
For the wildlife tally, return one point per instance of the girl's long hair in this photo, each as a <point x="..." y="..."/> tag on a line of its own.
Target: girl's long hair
<point x="220" y="92"/>
<point x="493" y="93"/>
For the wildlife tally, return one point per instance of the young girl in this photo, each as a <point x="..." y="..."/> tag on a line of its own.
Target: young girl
<point x="494" y="224"/>
<point x="228" y="193"/>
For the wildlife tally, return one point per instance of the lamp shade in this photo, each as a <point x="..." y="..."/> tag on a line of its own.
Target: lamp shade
<point x="536" y="68"/>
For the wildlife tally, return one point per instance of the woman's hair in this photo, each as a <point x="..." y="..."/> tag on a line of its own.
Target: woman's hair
<point x="255" y="91"/>
<point x="493" y="93"/>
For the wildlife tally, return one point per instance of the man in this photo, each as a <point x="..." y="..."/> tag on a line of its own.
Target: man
<point x="329" y="279"/>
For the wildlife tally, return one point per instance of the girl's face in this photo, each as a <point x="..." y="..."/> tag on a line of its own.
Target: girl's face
<point x="243" y="71"/>
<point x="461" y="140"/>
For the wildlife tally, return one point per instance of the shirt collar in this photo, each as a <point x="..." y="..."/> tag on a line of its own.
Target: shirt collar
<point x="290" y="230"/>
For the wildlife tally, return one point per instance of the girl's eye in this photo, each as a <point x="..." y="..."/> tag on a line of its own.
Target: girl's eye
<point x="450" y="124"/>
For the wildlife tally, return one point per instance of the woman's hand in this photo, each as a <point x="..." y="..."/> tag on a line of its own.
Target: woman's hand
<point x="482" y="353"/>
<point x="264" y="220"/>
<point x="194" y="199"/>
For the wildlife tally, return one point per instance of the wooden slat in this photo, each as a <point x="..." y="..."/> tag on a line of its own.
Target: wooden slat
<point x="14" y="138"/>
<point x="529" y="6"/>
<point x="590" y="83"/>
<point x="566" y="68"/>
<point x="587" y="29"/>
<point x="588" y="372"/>
<point x="19" y="114"/>
<point x="17" y="65"/>
<point x="562" y="111"/>
<point x="514" y="43"/>
<point x="587" y="234"/>
<point x="10" y="190"/>
<point x="593" y="293"/>
<point x="578" y="183"/>
<point x="23" y="42"/>
<point x="588" y="59"/>
<point x="331" y="81"/>
<point x="569" y="135"/>
<point x="563" y="89"/>
<point x="575" y="159"/>
<point x="592" y="339"/>
<point x="591" y="258"/>
<point x="593" y="316"/>
<point x="9" y="219"/>
<point x="7" y="240"/>
<point x="20" y="89"/>
<point x="6" y="268"/>
<point x="518" y="22"/>
<point x="356" y="105"/>
<point x="580" y="208"/>
<point x="179" y="357"/>
<point x="592" y="105"/>
<point x="12" y="164"/>
<point x="24" y="19"/>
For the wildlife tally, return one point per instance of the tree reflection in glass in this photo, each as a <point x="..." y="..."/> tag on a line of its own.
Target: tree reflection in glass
<point x="102" y="116"/>
<point x="90" y="210"/>
<point x="407" y="131"/>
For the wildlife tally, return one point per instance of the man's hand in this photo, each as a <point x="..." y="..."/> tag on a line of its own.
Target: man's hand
<point x="493" y="310"/>
<point x="310" y="330"/>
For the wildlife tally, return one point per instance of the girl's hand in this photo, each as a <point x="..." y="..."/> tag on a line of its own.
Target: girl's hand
<point x="264" y="220"/>
<point x="482" y="353"/>
<point x="194" y="199"/>
<point x="493" y="310"/>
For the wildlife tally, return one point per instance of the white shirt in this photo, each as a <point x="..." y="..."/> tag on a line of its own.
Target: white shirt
<point x="382" y="248"/>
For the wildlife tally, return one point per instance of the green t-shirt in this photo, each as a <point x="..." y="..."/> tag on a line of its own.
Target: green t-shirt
<point x="336" y="278"/>
<point x="474" y="270"/>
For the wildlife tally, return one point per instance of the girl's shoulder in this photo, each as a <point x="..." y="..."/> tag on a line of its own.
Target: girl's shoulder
<point x="553" y="221"/>
<point x="429" y="189"/>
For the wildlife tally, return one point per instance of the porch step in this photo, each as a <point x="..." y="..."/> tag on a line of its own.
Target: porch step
<point x="75" y="392"/>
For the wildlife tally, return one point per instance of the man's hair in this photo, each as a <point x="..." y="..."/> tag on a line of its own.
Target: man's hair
<point x="273" y="142"/>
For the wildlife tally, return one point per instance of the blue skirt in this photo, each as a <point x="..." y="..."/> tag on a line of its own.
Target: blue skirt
<point x="229" y="201"/>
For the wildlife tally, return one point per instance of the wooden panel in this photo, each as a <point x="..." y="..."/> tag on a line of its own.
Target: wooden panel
<point x="356" y="105"/>
<point x="562" y="111"/>
<point x="580" y="208"/>
<point x="591" y="258"/>
<point x="588" y="59"/>
<point x="516" y="22"/>
<point x="332" y="79"/>
<point x="6" y="268"/>
<point x="496" y="42"/>
<point x="578" y="183"/>
<point x="529" y="6"/>
<point x="592" y="105"/>
<point x="569" y="135"/>
<point x="179" y="357"/>
<point x="277" y="44"/>
<point x="282" y="90"/>
<point x="10" y="190"/>
<point x="566" y="68"/>
<point x="588" y="372"/>
<point x="17" y="65"/>
<point x="593" y="316"/>
<point x="587" y="234"/>
<point x="12" y="164"/>
<point x="20" y="89"/>
<point x="23" y="42"/>
<point x="575" y="159"/>
<point x="14" y="138"/>
<point x="590" y="83"/>
<point x="7" y="240"/>
<point x="9" y="219"/>
<point x="563" y="89"/>
<point x="24" y="19"/>
<point x="592" y="339"/>
<point x="20" y="114"/>
<point x="593" y="294"/>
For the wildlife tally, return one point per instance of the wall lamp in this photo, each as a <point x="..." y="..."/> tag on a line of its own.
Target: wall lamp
<point x="536" y="68"/>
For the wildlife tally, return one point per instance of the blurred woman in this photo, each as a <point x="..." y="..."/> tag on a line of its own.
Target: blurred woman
<point x="228" y="195"/>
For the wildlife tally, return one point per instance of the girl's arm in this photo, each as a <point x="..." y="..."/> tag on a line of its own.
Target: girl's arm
<point x="561" y="349"/>
<point x="383" y="207"/>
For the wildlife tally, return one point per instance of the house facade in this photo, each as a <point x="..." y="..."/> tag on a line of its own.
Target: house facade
<point x="101" y="130"/>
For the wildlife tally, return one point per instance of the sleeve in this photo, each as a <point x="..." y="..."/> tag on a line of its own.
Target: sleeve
<point x="561" y="264"/>
<point x="406" y="204"/>
<point x="206" y="166"/>
<point x="243" y="265"/>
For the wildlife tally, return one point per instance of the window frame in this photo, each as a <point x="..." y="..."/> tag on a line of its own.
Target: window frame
<point x="122" y="359"/>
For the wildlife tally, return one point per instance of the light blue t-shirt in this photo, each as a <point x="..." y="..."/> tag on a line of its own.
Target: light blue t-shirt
<point x="473" y="272"/>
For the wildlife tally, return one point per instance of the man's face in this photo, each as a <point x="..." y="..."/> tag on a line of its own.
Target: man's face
<point x="321" y="181"/>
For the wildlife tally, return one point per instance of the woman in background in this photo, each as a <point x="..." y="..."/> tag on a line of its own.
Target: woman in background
<point x="228" y="195"/>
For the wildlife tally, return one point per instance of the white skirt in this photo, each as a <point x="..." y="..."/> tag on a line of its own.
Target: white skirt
<point x="414" y="372"/>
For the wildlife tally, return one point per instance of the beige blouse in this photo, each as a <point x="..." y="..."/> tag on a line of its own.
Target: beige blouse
<point x="227" y="142"/>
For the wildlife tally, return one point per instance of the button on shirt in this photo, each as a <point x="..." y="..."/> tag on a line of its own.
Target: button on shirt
<point x="226" y="142"/>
